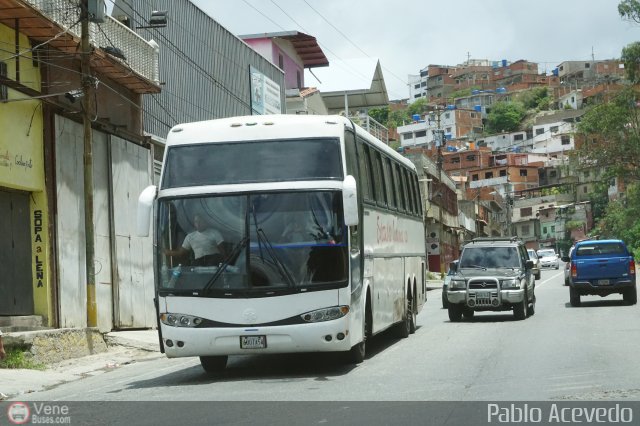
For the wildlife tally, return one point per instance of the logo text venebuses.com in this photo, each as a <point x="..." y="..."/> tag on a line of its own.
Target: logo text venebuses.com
<point x="18" y="413"/>
<point x="39" y="413"/>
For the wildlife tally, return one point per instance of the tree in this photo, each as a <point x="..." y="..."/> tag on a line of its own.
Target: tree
<point x="381" y="115"/>
<point x="631" y="59"/>
<point x="611" y="136"/>
<point x="537" y="98"/>
<point x="398" y="118"/>
<point x="621" y="220"/>
<point x="418" y="107"/>
<point x="505" y="117"/>
<point x="599" y="200"/>
<point x="630" y="10"/>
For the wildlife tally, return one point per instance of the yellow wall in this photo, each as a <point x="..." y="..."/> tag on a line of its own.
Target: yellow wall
<point x="22" y="161"/>
<point x="21" y="149"/>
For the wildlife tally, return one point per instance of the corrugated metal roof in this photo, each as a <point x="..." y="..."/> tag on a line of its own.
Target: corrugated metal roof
<point x="204" y="67"/>
<point x="305" y="45"/>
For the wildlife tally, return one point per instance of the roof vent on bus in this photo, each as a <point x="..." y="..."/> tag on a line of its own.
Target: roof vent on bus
<point x="268" y="123"/>
<point x="236" y="124"/>
<point x="177" y="129"/>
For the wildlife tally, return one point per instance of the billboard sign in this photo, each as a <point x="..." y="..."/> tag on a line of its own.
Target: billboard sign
<point x="265" y="94"/>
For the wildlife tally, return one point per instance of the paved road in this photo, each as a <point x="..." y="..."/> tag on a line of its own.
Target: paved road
<point x="560" y="353"/>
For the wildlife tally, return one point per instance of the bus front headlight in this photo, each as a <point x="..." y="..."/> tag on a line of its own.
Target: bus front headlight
<point x="180" y="320"/>
<point x="326" y="314"/>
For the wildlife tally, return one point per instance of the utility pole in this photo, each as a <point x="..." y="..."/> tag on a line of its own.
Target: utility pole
<point x="438" y="136"/>
<point x="87" y="110"/>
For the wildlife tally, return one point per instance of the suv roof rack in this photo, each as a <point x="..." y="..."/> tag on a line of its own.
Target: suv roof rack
<point x="491" y="239"/>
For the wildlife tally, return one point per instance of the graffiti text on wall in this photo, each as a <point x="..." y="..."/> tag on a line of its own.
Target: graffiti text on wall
<point x="37" y="232"/>
<point x="6" y="160"/>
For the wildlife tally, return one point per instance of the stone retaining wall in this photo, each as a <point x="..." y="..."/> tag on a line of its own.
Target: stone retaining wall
<point x="50" y="346"/>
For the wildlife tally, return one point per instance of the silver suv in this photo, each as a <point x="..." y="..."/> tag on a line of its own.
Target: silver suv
<point x="493" y="274"/>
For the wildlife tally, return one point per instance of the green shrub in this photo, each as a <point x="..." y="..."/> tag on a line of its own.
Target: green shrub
<point x="18" y="358"/>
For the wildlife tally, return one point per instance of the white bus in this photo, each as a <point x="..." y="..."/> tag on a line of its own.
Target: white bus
<point x="318" y="238"/>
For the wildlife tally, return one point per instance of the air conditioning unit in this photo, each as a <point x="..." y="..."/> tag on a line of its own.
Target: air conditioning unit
<point x="433" y="248"/>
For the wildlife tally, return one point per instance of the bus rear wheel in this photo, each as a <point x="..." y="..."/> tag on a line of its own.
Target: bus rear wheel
<point x="408" y="324"/>
<point x="414" y="316"/>
<point x="214" y="364"/>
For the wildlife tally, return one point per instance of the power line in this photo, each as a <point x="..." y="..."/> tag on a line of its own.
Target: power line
<point x="176" y="50"/>
<point x="344" y="65"/>
<point x="349" y="40"/>
<point x="263" y="14"/>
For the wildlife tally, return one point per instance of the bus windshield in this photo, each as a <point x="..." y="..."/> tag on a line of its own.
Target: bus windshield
<point x="244" y="245"/>
<point x="252" y="161"/>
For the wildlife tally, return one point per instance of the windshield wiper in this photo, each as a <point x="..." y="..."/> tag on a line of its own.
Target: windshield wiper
<point x="262" y="239"/>
<point x="284" y="272"/>
<point x="321" y="232"/>
<point x="222" y="266"/>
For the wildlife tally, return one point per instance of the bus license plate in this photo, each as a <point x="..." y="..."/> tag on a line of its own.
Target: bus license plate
<point x="603" y="282"/>
<point x="253" y="342"/>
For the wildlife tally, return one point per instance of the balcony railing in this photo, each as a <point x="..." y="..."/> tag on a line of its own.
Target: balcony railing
<point x="372" y="126"/>
<point x="140" y="55"/>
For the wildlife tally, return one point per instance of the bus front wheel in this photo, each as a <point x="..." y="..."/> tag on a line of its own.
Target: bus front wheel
<point x="358" y="352"/>
<point x="214" y="364"/>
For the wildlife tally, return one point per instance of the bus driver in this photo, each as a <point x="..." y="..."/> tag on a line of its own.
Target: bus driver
<point x="205" y="243"/>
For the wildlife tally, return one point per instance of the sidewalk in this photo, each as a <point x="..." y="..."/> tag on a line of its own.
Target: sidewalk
<point x="434" y="284"/>
<point x="122" y="347"/>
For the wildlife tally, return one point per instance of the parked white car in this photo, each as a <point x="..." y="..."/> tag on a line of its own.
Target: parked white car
<point x="548" y="258"/>
<point x="536" y="263"/>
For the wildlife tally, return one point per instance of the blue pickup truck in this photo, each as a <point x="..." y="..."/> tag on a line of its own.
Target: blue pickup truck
<point x="601" y="267"/>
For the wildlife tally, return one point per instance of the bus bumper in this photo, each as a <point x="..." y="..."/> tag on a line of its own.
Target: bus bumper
<point x="328" y="336"/>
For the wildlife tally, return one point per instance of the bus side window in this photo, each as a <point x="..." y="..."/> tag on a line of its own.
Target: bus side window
<point x="388" y="178"/>
<point x="417" y="186"/>
<point x="350" y="153"/>
<point x="410" y="198"/>
<point x="402" y="195"/>
<point x="416" y="194"/>
<point x="381" y="195"/>
<point x="367" y="177"/>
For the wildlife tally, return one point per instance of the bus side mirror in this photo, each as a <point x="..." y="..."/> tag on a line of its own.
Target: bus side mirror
<point x="145" y="204"/>
<point x="350" y="201"/>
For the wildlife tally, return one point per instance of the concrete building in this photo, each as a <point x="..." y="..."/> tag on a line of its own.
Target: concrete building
<point x="42" y="167"/>
<point x="441" y="211"/>
<point x="590" y="72"/>
<point x="456" y="124"/>
<point x="351" y="88"/>
<point x="418" y="86"/>
<point x="206" y="71"/>
<point x="293" y="52"/>
<point x="440" y="83"/>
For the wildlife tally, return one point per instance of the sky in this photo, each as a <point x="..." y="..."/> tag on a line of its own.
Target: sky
<point x="407" y="36"/>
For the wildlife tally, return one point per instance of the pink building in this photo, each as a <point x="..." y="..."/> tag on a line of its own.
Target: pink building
<point x="291" y="51"/>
